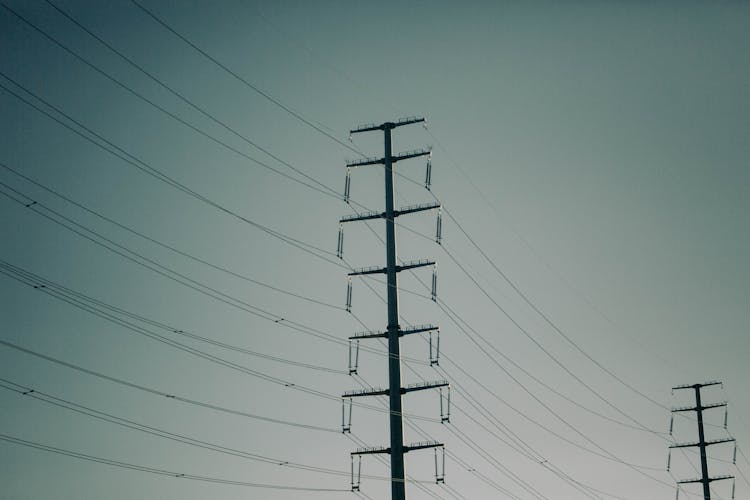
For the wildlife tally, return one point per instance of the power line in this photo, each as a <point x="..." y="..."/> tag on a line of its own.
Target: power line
<point x="491" y="459"/>
<point x="551" y="323"/>
<point x="425" y="436"/>
<point x="496" y="423"/>
<point x="465" y="271"/>
<point x="131" y="62"/>
<point x="319" y="60"/>
<point x="190" y="350"/>
<point x="166" y="272"/>
<point x="168" y="395"/>
<point x="244" y="81"/>
<point x="396" y="448"/>
<point x="414" y="426"/>
<point x="483" y="455"/>
<point x="608" y="454"/>
<point x="408" y="479"/>
<point x="517" y="289"/>
<point x="453" y="315"/>
<point x="739" y="470"/>
<point x="534" y="251"/>
<point x="161" y="472"/>
<point x="150" y="170"/>
<point x="443" y="306"/>
<point x="27" y="391"/>
<point x="141" y="260"/>
<point x="33" y="207"/>
<point x="546" y="318"/>
<point x="455" y="318"/>
<point x="513" y="285"/>
<point x="167" y="246"/>
<point x="323" y="188"/>
<point x="474" y="446"/>
<point x="556" y="470"/>
<point x="172" y="115"/>
<point x="95" y="303"/>
<point x="537" y="343"/>
<point x="167" y="341"/>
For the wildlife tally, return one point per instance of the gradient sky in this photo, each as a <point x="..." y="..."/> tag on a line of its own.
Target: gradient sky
<point x="596" y="152"/>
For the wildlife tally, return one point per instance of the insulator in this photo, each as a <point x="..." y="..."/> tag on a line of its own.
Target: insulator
<point x="733" y="484"/>
<point x="347" y="185"/>
<point x="353" y="357"/>
<point x="435" y="349"/>
<point x="343" y="416"/>
<point x="346" y="425"/>
<point x="351" y="371"/>
<point x="428" y="175"/>
<point x="439" y="472"/>
<point x="734" y="455"/>
<point x="430" y="343"/>
<point x="677" y="495"/>
<point x="439" y="228"/>
<point x="726" y="416"/>
<point x="436" y="465"/>
<point x="340" y="246"/>
<point x="445" y="408"/>
<point x="434" y="285"/>
<point x="356" y="356"/>
<point x="442" y="410"/>
<point x="349" y="296"/>
<point x="356" y="476"/>
<point x="669" y="460"/>
<point x="671" y="424"/>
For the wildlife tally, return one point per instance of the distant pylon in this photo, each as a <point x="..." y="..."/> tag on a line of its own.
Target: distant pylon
<point x="705" y="478"/>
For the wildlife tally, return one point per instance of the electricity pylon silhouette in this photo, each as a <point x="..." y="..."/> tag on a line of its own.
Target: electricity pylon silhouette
<point x="393" y="332"/>
<point x="705" y="478"/>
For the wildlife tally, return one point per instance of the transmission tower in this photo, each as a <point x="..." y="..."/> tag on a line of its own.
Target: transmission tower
<point x="393" y="332"/>
<point x="702" y="443"/>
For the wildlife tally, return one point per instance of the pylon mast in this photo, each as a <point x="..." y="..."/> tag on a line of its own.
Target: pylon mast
<point x="702" y="444"/>
<point x="393" y="331"/>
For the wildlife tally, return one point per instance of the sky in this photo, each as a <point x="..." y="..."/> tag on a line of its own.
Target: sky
<point x="173" y="306"/>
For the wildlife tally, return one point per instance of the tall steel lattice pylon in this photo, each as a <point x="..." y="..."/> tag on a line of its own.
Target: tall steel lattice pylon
<point x="393" y="333"/>
<point x="702" y="443"/>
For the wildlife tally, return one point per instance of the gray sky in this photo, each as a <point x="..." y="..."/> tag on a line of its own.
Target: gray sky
<point x="594" y="151"/>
